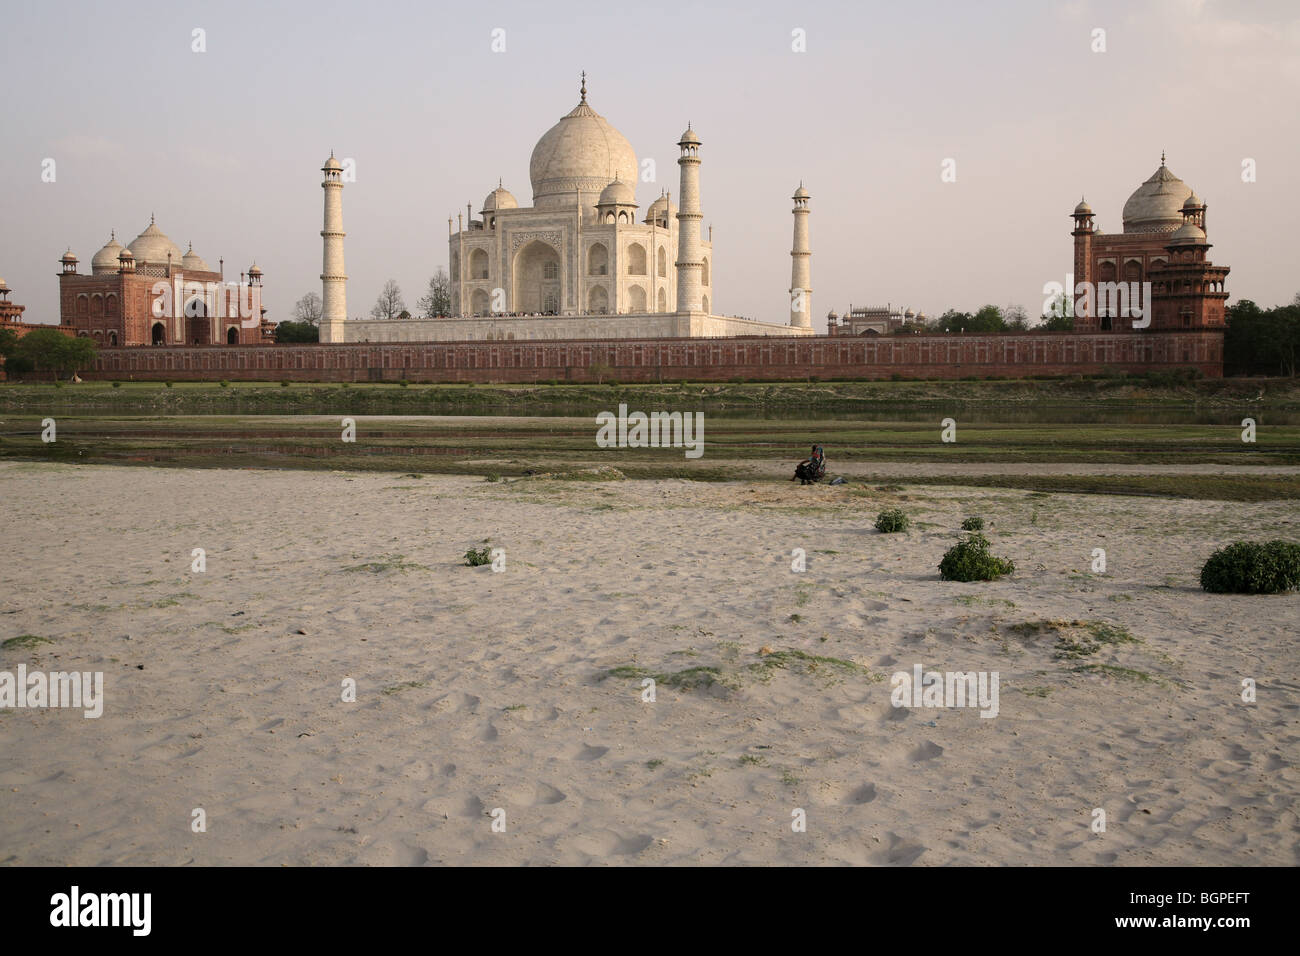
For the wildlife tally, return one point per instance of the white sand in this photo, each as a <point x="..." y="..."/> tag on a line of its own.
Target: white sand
<point x="240" y="715"/>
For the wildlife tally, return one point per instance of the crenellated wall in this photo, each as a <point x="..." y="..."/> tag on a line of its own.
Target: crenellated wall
<point x="1009" y="355"/>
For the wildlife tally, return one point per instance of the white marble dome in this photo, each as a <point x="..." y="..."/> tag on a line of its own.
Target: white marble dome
<point x="582" y="153"/>
<point x="617" y="193"/>
<point x="662" y="209"/>
<point x="105" y="260"/>
<point x="499" y="198"/>
<point x="152" y="246"/>
<point x="193" y="262"/>
<point x="1157" y="205"/>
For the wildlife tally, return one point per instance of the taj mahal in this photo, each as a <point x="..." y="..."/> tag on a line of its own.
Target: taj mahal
<point x="576" y="263"/>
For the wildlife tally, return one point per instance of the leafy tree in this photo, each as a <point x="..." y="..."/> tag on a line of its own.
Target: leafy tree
<point x="309" y="309"/>
<point x="952" y="321"/>
<point x="290" y="331"/>
<point x="1261" y="341"/>
<point x="1015" y="317"/>
<point x="49" y="350"/>
<point x="1056" y="323"/>
<point x="437" y="300"/>
<point x="389" y="304"/>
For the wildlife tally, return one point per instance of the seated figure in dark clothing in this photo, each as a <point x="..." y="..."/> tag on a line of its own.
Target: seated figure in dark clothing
<point x="812" y="469"/>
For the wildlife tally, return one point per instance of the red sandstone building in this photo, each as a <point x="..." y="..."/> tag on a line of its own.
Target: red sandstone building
<point x="149" y="293"/>
<point x="1164" y="242"/>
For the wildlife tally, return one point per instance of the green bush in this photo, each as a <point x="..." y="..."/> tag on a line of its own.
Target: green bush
<point x="117" y="384"/>
<point x="403" y="383"/>
<point x="493" y="476"/>
<point x="892" y="520"/>
<point x="1248" y="567"/>
<point x="476" y="556"/>
<point x="284" y="383"/>
<point x="973" y="523"/>
<point x="969" y="560"/>
<point x="224" y="384"/>
<point x="168" y="384"/>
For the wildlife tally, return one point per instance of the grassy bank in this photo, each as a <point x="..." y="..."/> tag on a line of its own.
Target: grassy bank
<point x="735" y="449"/>
<point x="194" y="398"/>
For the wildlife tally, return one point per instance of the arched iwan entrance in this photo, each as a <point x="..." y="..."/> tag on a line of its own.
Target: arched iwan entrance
<point x="537" y="278"/>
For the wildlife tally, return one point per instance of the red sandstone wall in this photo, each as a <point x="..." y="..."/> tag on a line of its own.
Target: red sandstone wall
<point x="1009" y="355"/>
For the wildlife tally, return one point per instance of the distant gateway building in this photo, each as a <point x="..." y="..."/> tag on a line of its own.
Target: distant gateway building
<point x="575" y="264"/>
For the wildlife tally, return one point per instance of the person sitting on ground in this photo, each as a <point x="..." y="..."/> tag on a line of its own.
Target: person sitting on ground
<point x="812" y="469"/>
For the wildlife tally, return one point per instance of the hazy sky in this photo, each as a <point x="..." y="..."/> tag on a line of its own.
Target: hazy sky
<point x="225" y="146"/>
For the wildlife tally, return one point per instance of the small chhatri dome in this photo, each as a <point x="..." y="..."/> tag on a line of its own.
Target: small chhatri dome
<point x="688" y="137"/>
<point x="499" y="198"/>
<point x="253" y="270"/>
<point x="152" y="245"/>
<point x="1156" y="205"/>
<point x="617" y="193"/>
<point x="801" y="193"/>
<point x="126" y="254"/>
<point x="105" y="260"/>
<point x="193" y="262"/>
<point x="1193" y="202"/>
<point x="1083" y="209"/>
<point x="1189" y="233"/>
<point x="3" y="286"/>
<point x="661" y="208"/>
<point x="909" y="314"/>
<point x="68" y="256"/>
<point x="331" y="164"/>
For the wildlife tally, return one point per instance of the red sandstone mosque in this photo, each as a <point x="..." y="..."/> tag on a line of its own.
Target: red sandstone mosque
<point x="118" y="303"/>
<point x="1164" y="242"/>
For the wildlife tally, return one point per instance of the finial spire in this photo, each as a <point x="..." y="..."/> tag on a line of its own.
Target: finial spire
<point x="1162" y="157"/>
<point x="584" y="86"/>
<point x="499" y="186"/>
<point x="151" y="219"/>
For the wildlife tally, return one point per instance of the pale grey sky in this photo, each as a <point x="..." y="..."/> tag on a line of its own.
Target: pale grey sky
<point x="225" y="146"/>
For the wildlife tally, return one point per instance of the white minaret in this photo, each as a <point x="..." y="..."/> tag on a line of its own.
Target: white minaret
<point x="690" y="260"/>
<point x="334" y="281"/>
<point x="801" y="266"/>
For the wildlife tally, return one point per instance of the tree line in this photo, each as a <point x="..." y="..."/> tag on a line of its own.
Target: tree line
<point x="307" y="311"/>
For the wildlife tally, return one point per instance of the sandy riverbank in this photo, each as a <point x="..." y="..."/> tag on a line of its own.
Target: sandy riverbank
<point x="479" y="690"/>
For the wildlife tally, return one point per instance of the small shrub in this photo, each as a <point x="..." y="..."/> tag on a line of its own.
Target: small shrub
<point x="477" y="556"/>
<point x="973" y="523"/>
<point x="892" y="520"/>
<point x="403" y="383"/>
<point x="284" y="383"/>
<point x="224" y="384"/>
<point x="1249" y="567"/>
<point x="168" y="384"/>
<point x="969" y="560"/>
<point x="117" y="384"/>
<point x="493" y="477"/>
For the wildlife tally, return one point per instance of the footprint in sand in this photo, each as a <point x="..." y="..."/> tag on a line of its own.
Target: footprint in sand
<point x="927" y="751"/>
<point x="864" y="794"/>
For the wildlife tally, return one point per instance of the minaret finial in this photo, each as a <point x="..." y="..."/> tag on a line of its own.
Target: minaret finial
<point x="499" y="186"/>
<point x="151" y="219"/>
<point x="584" y="86"/>
<point x="1162" y="157"/>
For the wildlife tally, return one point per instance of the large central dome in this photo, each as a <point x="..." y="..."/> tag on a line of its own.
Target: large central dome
<point x="1157" y="205"/>
<point x="581" y="153"/>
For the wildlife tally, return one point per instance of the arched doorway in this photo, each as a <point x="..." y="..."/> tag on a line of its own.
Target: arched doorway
<point x="232" y="336"/>
<point x="704" y="304"/>
<point x="662" y="300"/>
<point x="159" y="334"/>
<point x="598" y="300"/>
<point x="537" y="278"/>
<point x="478" y="303"/>
<point x="198" y="329"/>
<point x="636" y="299"/>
